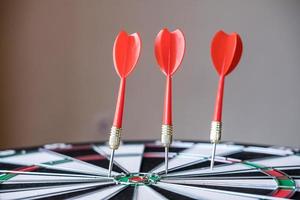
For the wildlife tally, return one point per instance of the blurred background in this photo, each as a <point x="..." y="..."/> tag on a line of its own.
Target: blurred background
<point x="58" y="83"/>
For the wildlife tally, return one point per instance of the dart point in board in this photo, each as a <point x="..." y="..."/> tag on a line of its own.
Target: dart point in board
<point x="169" y="50"/>
<point x="226" y="51"/>
<point x="126" y="52"/>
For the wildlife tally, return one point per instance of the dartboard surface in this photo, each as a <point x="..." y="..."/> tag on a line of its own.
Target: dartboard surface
<point x="79" y="171"/>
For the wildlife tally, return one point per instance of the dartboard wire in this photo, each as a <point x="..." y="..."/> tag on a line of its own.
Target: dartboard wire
<point x="76" y="160"/>
<point x="101" y="152"/>
<point x="47" y="174"/>
<point x="228" y="162"/>
<point x="268" y="184"/>
<point x="30" y="187"/>
<point x="58" y="190"/>
<point x="191" y="155"/>
<point x="62" y="159"/>
<point x="101" y="193"/>
<point x="146" y="192"/>
<point x="279" y="152"/>
<point x="285" y="184"/>
<point x="186" y="191"/>
<point x="85" y="180"/>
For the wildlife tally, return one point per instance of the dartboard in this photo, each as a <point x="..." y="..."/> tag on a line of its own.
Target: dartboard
<point x="79" y="171"/>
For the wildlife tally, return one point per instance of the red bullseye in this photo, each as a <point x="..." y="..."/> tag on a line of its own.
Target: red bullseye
<point x="138" y="179"/>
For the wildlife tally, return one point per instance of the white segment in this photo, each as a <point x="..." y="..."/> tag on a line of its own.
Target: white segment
<point x="31" y="158"/>
<point x="124" y="149"/>
<point x="102" y="194"/>
<point x="297" y="181"/>
<point x="270" y="150"/>
<point x="41" y="157"/>
<point x="128" y="156"/>
<point x="197" y="153"/>
<point x="217" y="169"/>
<point x="147" y="193"/>
<point x="243" y="183"/>
<point x="23" y="178"/>
<point x="281" y="161"/>
<point x="78" y="166"/>
<point x="130" y="163"/>
<point x="207" y="194"/>
<point x="48" y="192"/>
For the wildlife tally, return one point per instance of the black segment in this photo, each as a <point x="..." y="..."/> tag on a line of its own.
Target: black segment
<point x="249" y="155"/>
<point x="228" y="174"/>
<point x="88" y="151"/>
<point x="30" y="186"/>
<point x="162" y="149"/>
<point x="296" y="195"/>
<point x="47" y="170"/>
<point x="76" y="193"/>
<point x="291" y="172"/>
<point x="235" y="189"/>
<point x="170" y="195"/>
<point x="125" y="194"/>
<point x="6" y="166"/>
<point x="75" y="153"/>
<point x="149" y="163"/>
<point x="105" y="164"/>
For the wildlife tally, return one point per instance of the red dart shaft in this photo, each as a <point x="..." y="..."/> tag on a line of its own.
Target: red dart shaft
<point x="219" y="100"/>
<point x="120" y="104"/>
<point x="167" y="115"/>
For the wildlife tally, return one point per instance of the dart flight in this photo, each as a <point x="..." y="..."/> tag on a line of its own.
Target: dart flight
<point x="226" y="51"/>
<point x="169" y="51"/>
<point x="126" y="52"/>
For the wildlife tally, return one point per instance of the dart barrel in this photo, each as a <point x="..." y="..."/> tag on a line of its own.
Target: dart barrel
<point x="115" y="137"/>
<point x="215" y="131"/>
<point x="166" y="135"/>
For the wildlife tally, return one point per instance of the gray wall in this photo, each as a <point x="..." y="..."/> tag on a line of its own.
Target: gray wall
<point x="58" y="83"/>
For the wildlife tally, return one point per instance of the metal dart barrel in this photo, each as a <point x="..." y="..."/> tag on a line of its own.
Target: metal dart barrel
<point x="114" y="143"/>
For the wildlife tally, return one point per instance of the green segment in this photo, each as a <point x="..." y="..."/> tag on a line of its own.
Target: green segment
<point x="284" y="182"/>
<point x="255" y="165"/>
<point x="137" y="179"/>
<point x="5" y="177"/>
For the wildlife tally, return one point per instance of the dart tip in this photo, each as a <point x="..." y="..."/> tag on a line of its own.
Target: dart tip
<point x="166" y="159"/>
<point x="212" y="160"/>
<point x="111" y="162"/>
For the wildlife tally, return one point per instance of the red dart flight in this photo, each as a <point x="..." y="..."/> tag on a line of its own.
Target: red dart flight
<point x="226" y="51"/>
<point x="126" y="53"/>
<point x="169" y="51"/>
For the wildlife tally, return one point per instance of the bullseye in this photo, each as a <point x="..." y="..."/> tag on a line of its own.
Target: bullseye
<point x="137" y="179"/>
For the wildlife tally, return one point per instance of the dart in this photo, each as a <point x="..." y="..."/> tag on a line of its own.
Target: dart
<point x="169" y="51"/>
<point x="126" y="52"/>
<point x="226" y="51"/>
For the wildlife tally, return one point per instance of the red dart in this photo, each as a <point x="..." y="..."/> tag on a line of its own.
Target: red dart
<point x="126" y="53"/>
<point x="169" y="51"/>
<point x="226" y="51"/>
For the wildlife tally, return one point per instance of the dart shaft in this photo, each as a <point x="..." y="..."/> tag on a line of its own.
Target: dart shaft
<point x="120" y="104"/>
<point x="219" y="100"/>
<point x="167" y="114"/>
